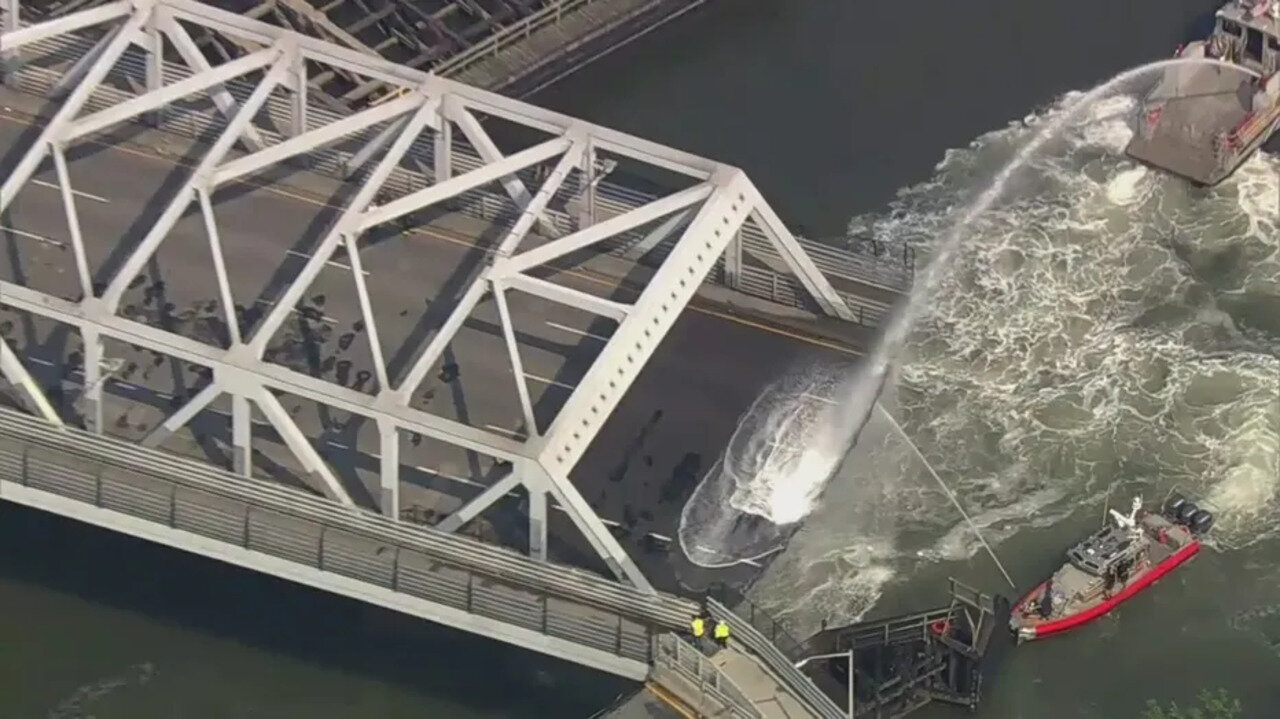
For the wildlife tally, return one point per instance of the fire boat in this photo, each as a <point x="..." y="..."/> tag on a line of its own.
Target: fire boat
<point x="1112" y="566"/>
<point x="1202" y="121"/>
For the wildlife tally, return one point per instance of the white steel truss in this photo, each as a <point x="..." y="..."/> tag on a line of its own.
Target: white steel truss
<point x="715" y="207"/>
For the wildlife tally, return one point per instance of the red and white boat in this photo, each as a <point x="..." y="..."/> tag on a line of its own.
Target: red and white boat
<point x="1111" y="566"/>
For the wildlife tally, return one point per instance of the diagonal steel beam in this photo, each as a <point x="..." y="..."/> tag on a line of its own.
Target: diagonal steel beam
<point x="301" y="447"/>
<point x="314" y="139"/>
<point x="82" y="65"/>
<point x="195" y="59"/>
<point x="76" y="21"/>
<point x="452" y="187"/>
<point x="567" y="296"/>
<point x="57" y="125"/>
<point x="183" y="415"/>
<point x="608" y="228"/>
<point x="347" y="223"/>
<point x="637" y="336"/>
<point x="475" y="293"/>
<point x="187" y="193"/>
<point x="14" y="371"/>
<point x="513" y="356"/>
<point x="130" y="109"/>
<point x="482" y="501"/>
<point x="797" y="259"/>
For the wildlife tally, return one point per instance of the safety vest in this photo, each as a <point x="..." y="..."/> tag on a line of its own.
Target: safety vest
<point x="699" y="627"/>
<point x="722" y="630"/>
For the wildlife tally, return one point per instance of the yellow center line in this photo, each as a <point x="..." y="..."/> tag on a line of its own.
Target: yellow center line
<point x="670" y="700"/>
<point x="463" y="241"/>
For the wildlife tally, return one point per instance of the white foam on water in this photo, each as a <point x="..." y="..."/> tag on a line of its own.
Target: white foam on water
<point x="1107" y="325"/>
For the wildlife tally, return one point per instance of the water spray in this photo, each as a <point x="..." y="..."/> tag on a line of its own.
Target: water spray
<point x="950" y="495"/>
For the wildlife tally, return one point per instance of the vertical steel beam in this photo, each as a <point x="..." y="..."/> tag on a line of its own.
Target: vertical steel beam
<point x="537" y="523"/>
<point x="241" y="436"/>
<point x="389" y="475"/>
<point x="298" y="106"/>
<point x="21" y="379"/>
<point x="62" y="119"/>
<point x="733" y="261"/>
<point x="91" y="391"/>
<point x="155" y="67"/>
<point x="12" y="22"/>
<point x="442" y="148"/>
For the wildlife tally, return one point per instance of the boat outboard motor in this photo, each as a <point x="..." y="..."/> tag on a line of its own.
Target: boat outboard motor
<point x="1173" y="504"/>
<point x="1185" y="511"/>
<point x="1201" y="521"/>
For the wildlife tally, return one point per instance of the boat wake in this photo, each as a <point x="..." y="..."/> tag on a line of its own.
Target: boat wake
<point x="1104" y="325"/>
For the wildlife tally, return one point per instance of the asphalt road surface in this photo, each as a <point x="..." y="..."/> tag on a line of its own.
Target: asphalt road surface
<point x="671" y="426"/>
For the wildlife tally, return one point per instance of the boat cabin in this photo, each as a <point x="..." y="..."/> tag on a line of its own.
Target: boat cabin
<point x="1100" y="554"/>
<point x="1247" y="32"/>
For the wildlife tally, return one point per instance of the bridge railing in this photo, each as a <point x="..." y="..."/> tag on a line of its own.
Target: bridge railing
<point x="280" y="522"/>
<point x="783" y="668"/>
<point x="893" y="270"/>
<point x="551" y="14"/>
<point x="681" y="668"/>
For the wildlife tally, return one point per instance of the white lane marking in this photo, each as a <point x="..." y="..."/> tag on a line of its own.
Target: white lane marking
<point x="38" y="360"/>
<point x="806" y="395"/>
<point x="580" y="333"/>
<point x="660" y="537"/>
<point x="323" y="318"/>
<point x="544" y="380"/>
<point x="339" y="446"/>
<point x="32" y="235"/>
<point x="446" y="475"/>
<point x="126" y="385"/>
<point x="166" y="395"/>
<point x="304" y="255"/>
<point x="504" y="430"/>
<point x="86" y="195"/>
<point x="749" y="562"/>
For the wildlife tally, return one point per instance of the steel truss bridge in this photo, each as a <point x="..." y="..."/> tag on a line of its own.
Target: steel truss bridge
<point x="431" y="144"/>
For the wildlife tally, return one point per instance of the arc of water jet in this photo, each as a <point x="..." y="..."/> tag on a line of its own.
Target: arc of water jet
<point x="896" y="330"/>
<point x="950" y="495"/>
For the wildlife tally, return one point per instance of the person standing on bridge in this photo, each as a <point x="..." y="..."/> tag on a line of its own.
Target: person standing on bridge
<point x="698" y="627"/>
<point x="721" y="634"/>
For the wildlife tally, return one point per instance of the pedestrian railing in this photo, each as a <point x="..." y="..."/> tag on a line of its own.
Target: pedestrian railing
<point x="783" y="668"/>
<point x="551" y="14"/>
<point x="680" y="668"/>
<point x="283" y="523"/>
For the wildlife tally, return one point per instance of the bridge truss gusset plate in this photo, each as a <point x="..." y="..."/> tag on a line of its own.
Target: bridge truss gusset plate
<point x="267" y="124"/>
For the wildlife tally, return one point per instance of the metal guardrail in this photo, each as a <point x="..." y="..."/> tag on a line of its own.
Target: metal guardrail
<point x="508" y="36"/>
<point x="782" y="667"/>
<point x="611" y="199"/>
<point x="717" y="694"/>
<point x="447" y="569"/>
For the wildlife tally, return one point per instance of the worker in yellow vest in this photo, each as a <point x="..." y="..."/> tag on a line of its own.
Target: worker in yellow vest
<point x="721" y="634"/>
<point x="699" y="627"/>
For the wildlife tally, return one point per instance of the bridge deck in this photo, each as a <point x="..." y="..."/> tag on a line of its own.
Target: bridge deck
<point x="670" y="427"/>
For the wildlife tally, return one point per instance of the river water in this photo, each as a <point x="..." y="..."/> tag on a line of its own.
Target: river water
<point x="1106" y="329"/>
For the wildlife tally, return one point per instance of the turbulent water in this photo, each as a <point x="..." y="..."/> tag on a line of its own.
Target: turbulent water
<point x="1106" y="326"/>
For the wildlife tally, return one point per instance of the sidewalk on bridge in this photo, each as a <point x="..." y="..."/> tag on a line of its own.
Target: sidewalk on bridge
<point x="759" y="685"/>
